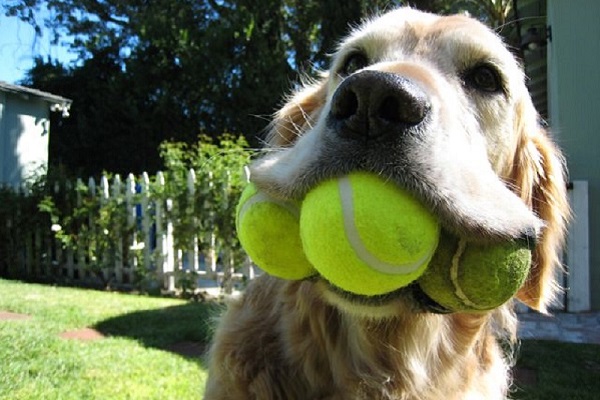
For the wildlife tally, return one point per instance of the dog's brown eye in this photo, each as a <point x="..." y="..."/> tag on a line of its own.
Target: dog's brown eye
<point x="353" y="63"/>
<point x="484" y="78"/>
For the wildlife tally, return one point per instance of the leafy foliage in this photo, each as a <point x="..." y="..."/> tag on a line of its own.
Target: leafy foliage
<point x="167" y="69"/>
<point x="197" y="193"/>
<point x="91" y="223"/>
<point x="219" y="180"/>
<point x="174" y="69"/>
<point x="18" y="220"/>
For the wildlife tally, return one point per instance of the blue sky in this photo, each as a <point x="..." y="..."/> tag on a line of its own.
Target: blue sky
<point x="19" y="47"/>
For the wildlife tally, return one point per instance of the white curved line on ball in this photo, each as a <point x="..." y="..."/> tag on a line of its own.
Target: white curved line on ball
<point x="260" y="197"/>
<point x="355" y="241"/>
<point x="462" y="244"/>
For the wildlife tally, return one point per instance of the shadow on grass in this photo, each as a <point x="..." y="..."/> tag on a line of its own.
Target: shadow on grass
<point x="184" y="329"/>
<point x="557" y="370"/>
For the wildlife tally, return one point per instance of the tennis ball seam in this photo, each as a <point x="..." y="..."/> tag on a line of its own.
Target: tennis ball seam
<point x="357" y="244"/>
<point x="260" y="197"/>
<point x="462" y="245"/>
<point x="268" y="230"/>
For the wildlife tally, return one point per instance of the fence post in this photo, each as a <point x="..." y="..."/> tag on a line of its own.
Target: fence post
<point x="117" y="235"/>
<point x="132" y="237"/>
<point x="166" y="243"/>
<point x="211" y="252"/>
<point x="227" y="253"/>
<point x="80" y="255"/>
<point x="578" y="250"/>
<point x="161" y="236"/>
<point x="104" y="196"/>
<point x="53" y="261"/>
<point x="87" y="261"/>
<point x="146" y="227"/>
<point x="170" y="247"/>
<point x="192" y="253"/>
<point x="55" y="268"/>
<point x="68" y="255"/>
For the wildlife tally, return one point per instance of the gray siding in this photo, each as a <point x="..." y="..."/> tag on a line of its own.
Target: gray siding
<point x="574" y="97"/>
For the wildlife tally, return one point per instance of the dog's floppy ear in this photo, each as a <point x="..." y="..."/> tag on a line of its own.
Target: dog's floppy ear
<point x="539" y="175"/>
<point x="298" y="114"/>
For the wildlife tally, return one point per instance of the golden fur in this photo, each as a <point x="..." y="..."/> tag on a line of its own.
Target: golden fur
<point x="492" y="172"/>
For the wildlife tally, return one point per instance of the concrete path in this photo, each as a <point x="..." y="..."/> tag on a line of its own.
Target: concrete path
<point x="563" y="327"/>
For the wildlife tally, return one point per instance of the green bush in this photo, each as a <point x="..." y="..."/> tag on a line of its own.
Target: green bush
<point x="220" y="178"/>
<point x="93" y="226"/>
<point x="208" y="214"/>
<point x="19" y="222"/>
<point x="197" y="192"/>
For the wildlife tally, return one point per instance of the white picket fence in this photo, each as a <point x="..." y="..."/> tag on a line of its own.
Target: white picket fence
<point x="147" y="253"/>
<point x="145" y="244"/>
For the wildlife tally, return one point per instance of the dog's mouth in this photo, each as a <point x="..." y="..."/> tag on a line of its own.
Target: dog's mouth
<point x="445" y="262"/>
<point x="469" y="199"/>
<point x="411" y="295"/>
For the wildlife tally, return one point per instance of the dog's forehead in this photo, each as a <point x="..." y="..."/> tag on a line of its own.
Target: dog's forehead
<point x="421" y="25"/>
<point x="408" y="31"/>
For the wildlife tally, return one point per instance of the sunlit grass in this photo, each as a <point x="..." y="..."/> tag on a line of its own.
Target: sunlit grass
<point x="130" y="363"/>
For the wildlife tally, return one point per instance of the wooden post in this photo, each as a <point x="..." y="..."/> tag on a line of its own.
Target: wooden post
<point x="117" y="235"/>
<point x="192" y="253"/>
<point x="161" y="235"/>
<point x="80" y="251"/>
<point x="170" y="247"/>
<point x="211" y="253"/>
<point x="227" y="253"/>
<point x="578" y="250"/>
<point x="146" y="225"/>
<point x="132" y="238"/>
<point x="104" y="196"/>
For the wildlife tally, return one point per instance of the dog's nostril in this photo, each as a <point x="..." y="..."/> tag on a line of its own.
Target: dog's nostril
<point x="346" y="105"/>
<point x="403" y="109"/>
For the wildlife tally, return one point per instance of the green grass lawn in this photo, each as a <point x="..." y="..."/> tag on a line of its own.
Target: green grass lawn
<point x="132" y="361"/>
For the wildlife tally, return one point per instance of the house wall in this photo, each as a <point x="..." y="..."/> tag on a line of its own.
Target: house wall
<point x="574" y="96"/>
<point x="24" y="131"/>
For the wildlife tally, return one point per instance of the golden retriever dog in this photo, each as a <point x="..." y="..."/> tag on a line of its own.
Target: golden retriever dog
<point x="437" y="105"/>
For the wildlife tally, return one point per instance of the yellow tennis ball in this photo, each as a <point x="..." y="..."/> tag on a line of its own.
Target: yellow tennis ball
<point x="365" y="235"/>
<point x="464" y="276"/>
<point x="268" y="230"/>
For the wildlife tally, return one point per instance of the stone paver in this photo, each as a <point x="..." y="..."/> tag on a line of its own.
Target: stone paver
<point x="11" y="316"/>
<point x="83" y="334"/>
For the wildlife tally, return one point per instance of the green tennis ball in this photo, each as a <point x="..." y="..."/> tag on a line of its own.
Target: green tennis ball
<point x="268" y="230"/>
<point x="464" y="276"/>
<point x="366" y="236"/>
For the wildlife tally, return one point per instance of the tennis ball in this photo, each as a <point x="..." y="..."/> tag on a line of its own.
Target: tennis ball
<point x="464" y="276"/>
<point x="268" y="230"/>
<point x="366" y="236"/>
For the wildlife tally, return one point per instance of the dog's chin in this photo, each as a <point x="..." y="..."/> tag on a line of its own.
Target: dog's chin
<point x="409" y="299"/>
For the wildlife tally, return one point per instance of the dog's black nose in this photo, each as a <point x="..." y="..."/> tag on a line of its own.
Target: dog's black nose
<point x="373" y="104"/>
